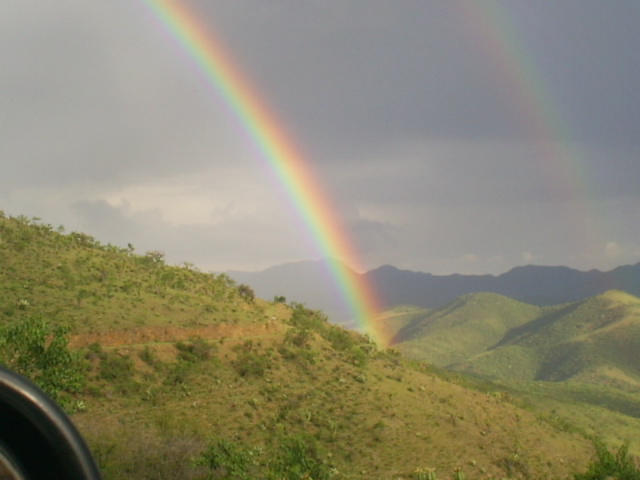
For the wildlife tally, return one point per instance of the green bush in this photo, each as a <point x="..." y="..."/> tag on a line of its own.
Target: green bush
<point x="306" y="319"/>
<point x="119" y="370"/>
<point x="196" y="350"/>
<point x="247" y="293"/>
<point x="148" y="357"/>
<point x="340" y="339"/>
<point x="226" y="459"/>
<point x="114" y="367"/>
<point x="299" y="458"/>
<point x="249" y="364"/>
<point x="607" y="465"/>
<point x="40" y="352"/>
<point x="296" y="458"/>
<point x="298" y="337"/>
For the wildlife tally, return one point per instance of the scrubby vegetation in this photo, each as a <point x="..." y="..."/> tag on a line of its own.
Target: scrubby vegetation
<point x="174" y="373"/>
<point x="39" y="351"/>
<point x="576" y="363"/>
<point x="610" y="465"/>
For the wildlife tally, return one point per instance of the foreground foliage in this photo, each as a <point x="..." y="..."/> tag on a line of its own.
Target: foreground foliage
<point x="609" y="465"/>
<point x="40" y="352"/>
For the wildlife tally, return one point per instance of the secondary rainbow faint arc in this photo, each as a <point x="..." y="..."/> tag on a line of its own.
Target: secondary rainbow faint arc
<point x="492" y="25"/>
<point x="278" y="149"/>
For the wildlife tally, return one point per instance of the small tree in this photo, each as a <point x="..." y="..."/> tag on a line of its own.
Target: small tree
<point x="247" y="293"/>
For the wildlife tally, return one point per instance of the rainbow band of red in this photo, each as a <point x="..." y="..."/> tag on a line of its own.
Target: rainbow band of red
<point x="284" y="159"/>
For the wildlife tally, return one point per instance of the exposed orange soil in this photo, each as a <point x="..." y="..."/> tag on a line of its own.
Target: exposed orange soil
<point x="147" y="335"/>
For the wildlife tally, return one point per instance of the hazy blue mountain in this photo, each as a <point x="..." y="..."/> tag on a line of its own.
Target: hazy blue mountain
<point x="537" y="285"/>
<point x="311" y="283"/>
<point x="307" y="282"/>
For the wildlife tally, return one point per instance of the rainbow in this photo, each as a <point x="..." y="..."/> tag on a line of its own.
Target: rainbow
<point x="284" y="159"/>
<point x="494" y="28"/>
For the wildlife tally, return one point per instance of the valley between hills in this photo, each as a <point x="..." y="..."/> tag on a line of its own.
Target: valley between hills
<point x="170" y="372"/>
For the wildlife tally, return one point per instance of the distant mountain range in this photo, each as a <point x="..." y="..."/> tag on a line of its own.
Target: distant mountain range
<point x="310" y="283"/>
<point x="306" y="282"/>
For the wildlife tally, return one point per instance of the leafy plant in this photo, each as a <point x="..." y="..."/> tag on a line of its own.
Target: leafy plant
<point x="249" y="364"/>
<point x="39" y="351"/>
<point x="226" y="459"/>
<point x="196" y="350"/>
<point x="305" y="318"/>
<point x="300" y="458"/>
<point x="247" y="293"/>
<point x="425" y="473"/>
<point x="607" y="465"/>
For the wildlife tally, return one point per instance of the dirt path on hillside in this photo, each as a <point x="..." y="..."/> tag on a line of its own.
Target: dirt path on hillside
<point x="116" y="338"/>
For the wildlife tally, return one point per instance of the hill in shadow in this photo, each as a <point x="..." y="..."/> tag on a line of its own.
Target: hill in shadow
<point x="537" y="285"/>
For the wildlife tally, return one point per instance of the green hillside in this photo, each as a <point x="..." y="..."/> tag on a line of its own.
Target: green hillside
<point x="183" y="374"/>
<point x="592" y="341"/>
<point x="578" y="362"/>
<point x="94" y="288"/>
<point x="399" y="318"/>
<point x="465" y="327"/>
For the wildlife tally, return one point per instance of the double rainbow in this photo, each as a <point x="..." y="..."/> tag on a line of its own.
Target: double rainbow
<point x="283" y="157"/>
<point x="493" y="26"/>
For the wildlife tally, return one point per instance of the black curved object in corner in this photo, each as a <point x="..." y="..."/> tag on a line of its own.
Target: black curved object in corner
<point x="36" y="437"/>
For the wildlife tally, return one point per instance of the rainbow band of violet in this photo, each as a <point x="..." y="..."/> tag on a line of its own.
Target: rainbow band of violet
<point x="294" y="174"/>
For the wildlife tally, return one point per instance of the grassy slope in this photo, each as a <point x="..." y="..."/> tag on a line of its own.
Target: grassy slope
<point x="376" y="421"/>
<point x="263" y="378"/>
<point x="467" y="326"/>
<point x="95" y="288"/>
<point x="578" y="362"/>
<point x="591" y="341"/>
<point x="399" y="318"/>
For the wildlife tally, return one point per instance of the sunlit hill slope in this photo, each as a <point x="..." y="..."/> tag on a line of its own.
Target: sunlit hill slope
<point x="187" y="375"/>
<point x="596" y="340"/>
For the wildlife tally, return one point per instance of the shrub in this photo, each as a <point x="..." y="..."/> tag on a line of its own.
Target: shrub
<point x="148" y="357"/>
<point x="305" y="318"/>
<point x="299" y="458"/>
<point x="116" y="367"/>
<point x="340" y="339"/>
<point x="153" y="258"/>
<point x="247" y="293"/>
<point x="296" y="458"/>
<point x="196" y="350"/>
<point x="40" y="352"/>
<point x="251" y="364"/>
<point x="119" y="371"/>
<point x="619" y="466"/>
<point x="226" y="459"/>
<point x="298" y="337"/>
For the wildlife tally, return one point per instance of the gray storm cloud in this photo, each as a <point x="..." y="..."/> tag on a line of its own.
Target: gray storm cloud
<point x="109" y="127"/>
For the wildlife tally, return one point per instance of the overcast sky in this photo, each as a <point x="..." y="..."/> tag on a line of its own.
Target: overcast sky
<point x="453" y="136"/>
